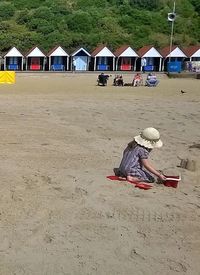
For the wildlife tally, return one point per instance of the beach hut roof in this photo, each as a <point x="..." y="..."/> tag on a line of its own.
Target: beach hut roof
<point x="35" y="52"/>
<point x="125" y="51"/>
<point x="102" y="51"/>
<point x="193" y="51"/>
<point x="57" y="51"/>
<point x="176" y="52"/>
<point x="79" y="50"/>
<point x="149" y="51"/>
<point x="13" y="52"/>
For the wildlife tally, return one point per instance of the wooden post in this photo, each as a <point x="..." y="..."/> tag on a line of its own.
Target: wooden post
<point x="163" y="64"/>
<point x="95" y="63"/>
<point x="44" y="59"/>
<point x="49" y="63"/>
<point x="160" y="63"/>
<point x="4" y="63"/>
<point x="67" y="69"/>
<point x="141" y="65"/>
<point x="87" y="63"/>
<point x="134" y="66"/>
<point x="22" y="68"/>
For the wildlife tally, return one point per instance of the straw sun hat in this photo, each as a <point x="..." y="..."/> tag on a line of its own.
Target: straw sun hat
<point x="149" y="138"/>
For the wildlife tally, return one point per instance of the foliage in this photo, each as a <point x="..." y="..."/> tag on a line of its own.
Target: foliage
<point x="145" y="4"/>
<point x="7" y="10"/>
<point x="196" y="5"/>
<point x="87" y="23"/>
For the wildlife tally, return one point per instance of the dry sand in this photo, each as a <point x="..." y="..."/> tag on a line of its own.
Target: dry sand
<point x="60" y="136"/>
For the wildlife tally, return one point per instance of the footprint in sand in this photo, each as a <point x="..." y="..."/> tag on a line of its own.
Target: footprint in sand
<point x="48" y="238"/>
<point x="176" y="266"/>
<point x="136" y="255"/>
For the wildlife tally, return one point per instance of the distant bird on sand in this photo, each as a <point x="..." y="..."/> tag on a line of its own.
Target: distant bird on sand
<point x="183" y="92"/>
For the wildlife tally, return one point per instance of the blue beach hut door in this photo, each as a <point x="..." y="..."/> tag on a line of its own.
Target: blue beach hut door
<point x="80" y="63"/>
<point x="102" y="63"/>
<point x="13" y="63"/>
<point x="57" y="60"/>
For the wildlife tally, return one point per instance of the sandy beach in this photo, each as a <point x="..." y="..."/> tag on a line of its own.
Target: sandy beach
<point x="61" y="135"/>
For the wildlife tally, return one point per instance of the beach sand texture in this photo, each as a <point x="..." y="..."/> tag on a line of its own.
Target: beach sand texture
<point x="61" y="135"/>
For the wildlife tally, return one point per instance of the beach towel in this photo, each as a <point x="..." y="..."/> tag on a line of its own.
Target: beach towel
<point x="141" y="185"/>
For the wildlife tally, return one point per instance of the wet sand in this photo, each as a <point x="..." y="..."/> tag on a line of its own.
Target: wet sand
<point x="61" y="135"/>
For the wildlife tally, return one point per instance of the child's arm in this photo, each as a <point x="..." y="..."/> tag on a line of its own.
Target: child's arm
<point x="151" y="169"/>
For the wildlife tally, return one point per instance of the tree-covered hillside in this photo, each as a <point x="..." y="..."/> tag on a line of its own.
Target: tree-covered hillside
<point x="73" y="23"/>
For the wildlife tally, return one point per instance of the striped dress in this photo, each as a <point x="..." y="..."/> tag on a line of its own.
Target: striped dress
<point x="131" y="164"/>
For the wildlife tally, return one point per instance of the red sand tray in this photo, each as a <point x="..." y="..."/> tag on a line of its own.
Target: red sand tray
<point x="172" y="181"/>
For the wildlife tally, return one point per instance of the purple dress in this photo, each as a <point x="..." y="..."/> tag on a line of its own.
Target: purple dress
<point x="131" y="164"/>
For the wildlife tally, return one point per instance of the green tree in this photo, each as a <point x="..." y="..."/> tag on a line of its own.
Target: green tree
<point x="7" y="10"/>
<point x="43" y="13"/>
<point x="22" y="4"/>
<point x="23" y="17"/>
<point x="196" y="4"/>
<point x="80" y="21"/>
<point x="40" y="25"/>
<point x="145" y="4"/>
<point x="87" y="23"/>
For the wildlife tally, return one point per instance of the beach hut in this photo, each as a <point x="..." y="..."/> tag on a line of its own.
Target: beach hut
<point x="80" y="59"/>
<point x="150" y="59"/>
<point x="13" y="60"/>
<point x="35" y="60"/>
<point x="58" y="59"/>
<point x="176" y="58"/>
<point x="192" y="62"/>
<point x="103" y="59"/>
<point x="125" y="59"/>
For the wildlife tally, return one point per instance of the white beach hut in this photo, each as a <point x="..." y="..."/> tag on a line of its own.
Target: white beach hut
<point x="80" y="59"/>
<point x="35" y="60"/>
<point x="103" y="59"/>
<point x="150" y="59"/>
<point x="125" y="58"/>
<point x="13" y="60"/>
<point x="192" y="62"/>
<point x="58" y="59"/>
<point x="176" y="55"/>
<point x="193" y="53"/>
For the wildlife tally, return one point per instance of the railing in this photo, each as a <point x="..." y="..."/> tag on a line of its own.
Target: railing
<point x="148" y="68"/>
<point x="35" y="67"/>
<point x="57" y="67"/>
<point x="126" y="67"/>
<point x="13" y="67"/>
<point x="103" y="67"/>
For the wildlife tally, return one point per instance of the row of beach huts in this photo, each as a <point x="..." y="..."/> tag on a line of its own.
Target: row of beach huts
<point x="125" y="58"/>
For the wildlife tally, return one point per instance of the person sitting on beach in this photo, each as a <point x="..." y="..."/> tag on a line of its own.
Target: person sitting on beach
<point x="118" y="81"/>
<point x="151" y="80"/>
<point x="134" y="165"/>
<point x="137" y="80"/>
<point x="102" y="79"/>
<point x="115" y="80"/>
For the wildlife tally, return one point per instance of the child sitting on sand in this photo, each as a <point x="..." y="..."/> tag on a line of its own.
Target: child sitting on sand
<point x="134" y="164"/>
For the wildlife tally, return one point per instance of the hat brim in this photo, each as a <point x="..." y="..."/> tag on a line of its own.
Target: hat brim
<point x="147" y="143"/>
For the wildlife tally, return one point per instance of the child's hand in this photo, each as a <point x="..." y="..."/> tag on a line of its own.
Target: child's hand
<point x="162" y="177"/>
